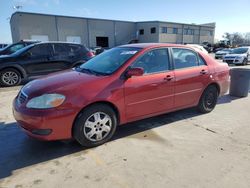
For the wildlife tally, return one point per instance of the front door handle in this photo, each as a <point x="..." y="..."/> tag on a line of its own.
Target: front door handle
<point x="169" y="77"/>
<point x="203" y="71"/>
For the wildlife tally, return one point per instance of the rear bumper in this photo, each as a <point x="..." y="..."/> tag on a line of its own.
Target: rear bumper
<point x="45" y="124"/>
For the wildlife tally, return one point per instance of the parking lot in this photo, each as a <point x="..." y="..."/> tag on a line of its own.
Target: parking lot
<point x="180" y="149"/>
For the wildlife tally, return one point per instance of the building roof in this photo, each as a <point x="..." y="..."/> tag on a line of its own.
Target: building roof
<point x="210" y="25"/>
<point x="42" y="14"/>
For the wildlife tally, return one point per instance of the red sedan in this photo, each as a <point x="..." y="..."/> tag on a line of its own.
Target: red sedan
<point x="121" y="85"/>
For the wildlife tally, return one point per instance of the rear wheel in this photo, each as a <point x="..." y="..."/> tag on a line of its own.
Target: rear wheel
<point x="208" y="99"/>
<point x="10" y="77"/>
<point x="95" y="125"/>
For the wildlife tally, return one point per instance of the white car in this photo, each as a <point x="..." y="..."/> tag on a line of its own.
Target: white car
<point x="198" y="47"/>
<point x="219" y="54"/>
<point x="238" y="56"/>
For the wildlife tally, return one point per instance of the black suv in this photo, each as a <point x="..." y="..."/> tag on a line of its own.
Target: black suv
<point x="40" y="59"/>
<point x="12" y="48"/>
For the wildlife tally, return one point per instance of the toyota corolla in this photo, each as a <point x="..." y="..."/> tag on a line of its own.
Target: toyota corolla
<point x="121" y="85"/>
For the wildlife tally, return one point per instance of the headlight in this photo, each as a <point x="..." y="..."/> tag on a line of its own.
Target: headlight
<point x="46" y="101"/>
<point x="240" y="57"/>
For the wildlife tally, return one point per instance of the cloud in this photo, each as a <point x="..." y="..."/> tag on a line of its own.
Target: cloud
<point x="85" y="12"/>
<point x="25" y="2"/>
<point x="57" y="2"/>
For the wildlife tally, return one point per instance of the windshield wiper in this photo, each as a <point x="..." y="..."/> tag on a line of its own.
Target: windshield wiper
<point x="92" y="71"/>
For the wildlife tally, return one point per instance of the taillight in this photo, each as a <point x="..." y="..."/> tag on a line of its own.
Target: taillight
<point x="90" y="54"/>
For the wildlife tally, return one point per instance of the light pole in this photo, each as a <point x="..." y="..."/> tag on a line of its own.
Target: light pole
<point x="17" y="7"/>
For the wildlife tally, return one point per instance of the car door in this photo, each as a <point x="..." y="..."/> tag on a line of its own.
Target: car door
<point x="36" y="60"/>
<point x="62" y="56"/>
<point x="191" y="77"/>
<point x="153" y="92"/>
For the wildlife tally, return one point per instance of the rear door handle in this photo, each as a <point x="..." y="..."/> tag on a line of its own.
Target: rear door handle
<point x="169" y="77"/>
<point x="203" y="71"/>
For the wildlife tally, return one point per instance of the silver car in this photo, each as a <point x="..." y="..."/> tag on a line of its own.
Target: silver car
<point x="238" y="56"/>
<point x="219" y="54"/>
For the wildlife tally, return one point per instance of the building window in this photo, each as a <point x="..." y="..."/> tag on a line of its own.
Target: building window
<point x="141" y="31"/>
<point x="211" y="33"/>
<point x="164" y="30"/>
<point x="185" y="31"/>
<point x="188" y="32"/>
<point x="153" y="30"/>
<point x="175" y="30"/>
<point x="191" y="32"/>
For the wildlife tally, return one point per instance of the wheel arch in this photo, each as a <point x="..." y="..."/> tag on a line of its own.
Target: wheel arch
<point x="17" y="68"/>
<point x="110" y="104"/>
<point x="211" y="84"/>
<point x="216" y="85"/>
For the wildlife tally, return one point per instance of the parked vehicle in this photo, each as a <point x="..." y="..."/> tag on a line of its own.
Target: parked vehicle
<point x="12" y="48"/>
<point x="219" y="54"/>
<point x="238" y="56"/>
<point x="198" y="47"/>
<point x="208" y="46"/>
<point x="40" y="59"/>
<point x="97" y="50"/>
<point x="3" y="46"/>
<point x="121" y="85"/>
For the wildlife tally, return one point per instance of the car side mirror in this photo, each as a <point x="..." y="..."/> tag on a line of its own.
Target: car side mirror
<point x="137" y="71"/>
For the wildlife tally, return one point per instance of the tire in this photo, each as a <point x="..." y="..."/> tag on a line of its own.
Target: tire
<point x="244" y="62"/>
<point x="10" y="77"/>
<point x="90" y="130"/>
<point x="208" y="99"/>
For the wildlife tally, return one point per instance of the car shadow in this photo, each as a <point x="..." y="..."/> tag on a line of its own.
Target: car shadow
<point x="19" y="151"/>
<point x="227" y="99"/>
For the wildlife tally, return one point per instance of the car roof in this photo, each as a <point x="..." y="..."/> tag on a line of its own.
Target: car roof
<point x="152" y="45"/>
<point x="57" y="42"/>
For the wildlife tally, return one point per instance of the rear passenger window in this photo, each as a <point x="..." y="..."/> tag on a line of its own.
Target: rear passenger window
<point x="153" y="61"/>
<point x="76" y="48"/>
<point x="60" y="49"/>
<point x="184" y="58"/>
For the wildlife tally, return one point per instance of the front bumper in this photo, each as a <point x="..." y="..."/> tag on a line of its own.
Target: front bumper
<point x="50" y="124"/>
<point x="218" y="56"/>
<point x="233" y="61"/>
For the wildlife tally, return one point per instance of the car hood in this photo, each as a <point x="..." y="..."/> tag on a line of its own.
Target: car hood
<point x="4" y="58"/>
<point x="222" y="52"/>
<point x="61" y="82"/>
<point x="235" y="55"/>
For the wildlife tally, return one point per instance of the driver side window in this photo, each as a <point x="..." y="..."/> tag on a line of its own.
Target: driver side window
<point x="153" y="61"/>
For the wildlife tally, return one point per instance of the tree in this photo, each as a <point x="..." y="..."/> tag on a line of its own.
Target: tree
<point x="238" y="38"/>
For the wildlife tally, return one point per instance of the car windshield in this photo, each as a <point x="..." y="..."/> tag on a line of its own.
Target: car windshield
<point x="226" y="50"/>
<point x="239" y="51"/>
<point x="4" y="48"/>
<point x="109" y="61"/>
<point x="22" y="50"/>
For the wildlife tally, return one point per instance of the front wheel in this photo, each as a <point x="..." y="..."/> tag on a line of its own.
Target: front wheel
<point x="208" y="99"/>
<point x="10" y="77"/>
<point x="95" y="125"/>
<point x="244" y="62"/>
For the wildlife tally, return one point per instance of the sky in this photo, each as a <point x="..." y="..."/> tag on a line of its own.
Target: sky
<point x="230" y="16"/>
